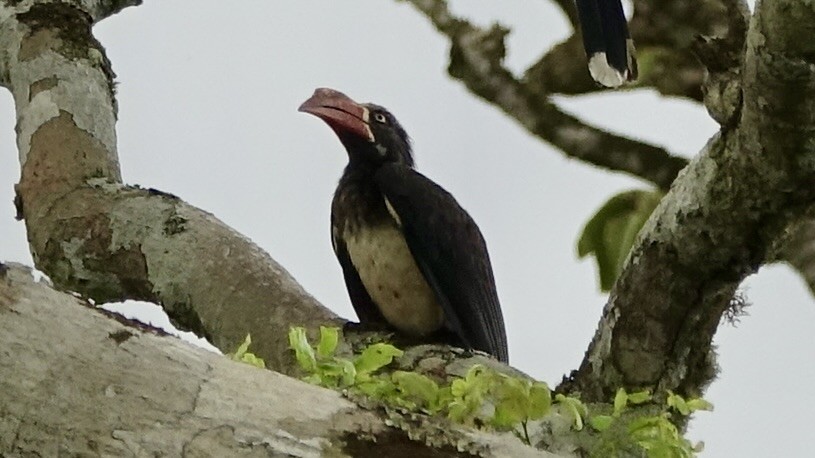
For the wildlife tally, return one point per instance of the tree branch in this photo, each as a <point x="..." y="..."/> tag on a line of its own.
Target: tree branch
<point x="101" y="9"/>
<point x="670" y="37"/>
<point x="719" y="223"/>
<point x="563" y="70"/>
<point x="115" y="388"/>
<point x="475" y="59"/>
<point x="93" y="235"/>
<point x="664" y="32"/>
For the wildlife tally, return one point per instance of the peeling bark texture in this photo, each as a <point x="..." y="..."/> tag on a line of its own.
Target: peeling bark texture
<point x="723" y="55"/>
<point x="115" y="389"/>
<point x="476" y="60"/>
<point x="111" y="242"/>
<point x="721" y="220"/>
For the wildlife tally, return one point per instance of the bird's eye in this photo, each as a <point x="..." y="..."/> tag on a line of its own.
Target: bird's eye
<point x="379" y="117"/>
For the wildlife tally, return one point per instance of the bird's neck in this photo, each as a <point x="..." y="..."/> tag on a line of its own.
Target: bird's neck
<point x="358" y="197"/>
<point x="359" y="174"/>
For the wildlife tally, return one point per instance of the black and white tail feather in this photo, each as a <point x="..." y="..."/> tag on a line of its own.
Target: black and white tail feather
<point x="608" y="45"/>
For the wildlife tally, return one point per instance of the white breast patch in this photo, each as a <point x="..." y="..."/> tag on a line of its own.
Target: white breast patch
<point x="393" y="280"/>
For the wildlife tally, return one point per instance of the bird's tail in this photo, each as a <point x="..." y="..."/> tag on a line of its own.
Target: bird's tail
<point x="609" y="47"/>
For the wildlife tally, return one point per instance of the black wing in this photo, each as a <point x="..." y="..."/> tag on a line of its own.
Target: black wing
<point x="607" y="42"/>
<point x="451" y="253"/>
<point x="364" y="306"/>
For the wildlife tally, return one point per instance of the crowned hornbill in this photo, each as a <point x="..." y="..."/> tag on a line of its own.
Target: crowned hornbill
<point x="608" y="45"/>
<point x="411" y="256"/>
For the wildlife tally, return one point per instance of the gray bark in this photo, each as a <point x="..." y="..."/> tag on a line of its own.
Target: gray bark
<point x="94" y="235"/>
<point x="107" y="241"/>
<point x="692" y="50"/>
<point x="95" y="384"/>
<point x="725" y="215"/>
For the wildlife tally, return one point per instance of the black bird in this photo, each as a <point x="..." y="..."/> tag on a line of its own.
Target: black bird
<point x="411" y="256"/>
<point x="608" y="45"/>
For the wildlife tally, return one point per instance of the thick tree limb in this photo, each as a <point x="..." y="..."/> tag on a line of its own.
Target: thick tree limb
<point x="719" y="223"/>
<point x="111" y="242"/>
<point x="118" y="390"/>
<point x="92" y="234"/>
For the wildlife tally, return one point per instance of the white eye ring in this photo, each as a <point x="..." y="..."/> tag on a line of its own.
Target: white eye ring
<point x="379" y="117"/>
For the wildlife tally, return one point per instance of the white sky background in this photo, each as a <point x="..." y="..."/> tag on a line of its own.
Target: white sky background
<point x="208" y="93"/>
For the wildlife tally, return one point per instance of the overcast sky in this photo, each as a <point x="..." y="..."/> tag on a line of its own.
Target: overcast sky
<point x="208" y="96"/>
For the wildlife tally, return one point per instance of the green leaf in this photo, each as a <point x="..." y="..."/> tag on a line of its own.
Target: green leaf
<point x="459" y="412"/>
<point x="416" y="386"/>
<point x="242" y="354"/>
<point x="375" y="357"/>
<point x="644" y="428"/>
<point x="477" y="374"/>
<point x="459" y="387"/>
<point x="518" y="400"/>
<point x="639" y="397"/>
<point x="659" y="437"/>
<point x="574" y="408"/>
<point x="242" y="348"/>
<point x="443" y="399"/>
<point x="611" y="232"/>
<point x="506" y="415"/>
<point x="303" y="352"/>
<point x="699" y="404"/>
<point x="540" y="400"/>
<point x="601" y="423"/>
<point x="512" y="401"/>
<point x="328" y="341"/>
<point x="253" y="360"/>
<point x="678" y="403"/>
<point x="377" y="388"/>
<point x="476" y="381"/>
<point x="335" y="372"/>
<point x="468" y="394"/>
<point x="349" y="372"/>
<point x="314" y="379"/>
<point x="620" y="401"/>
